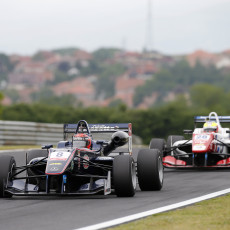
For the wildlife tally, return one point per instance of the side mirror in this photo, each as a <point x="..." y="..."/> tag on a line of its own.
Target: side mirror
<point x="188" y="131"/>
<point x="47" y="147"/>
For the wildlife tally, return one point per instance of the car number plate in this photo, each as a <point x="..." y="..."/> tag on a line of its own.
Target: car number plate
<point x="59" y="156"/>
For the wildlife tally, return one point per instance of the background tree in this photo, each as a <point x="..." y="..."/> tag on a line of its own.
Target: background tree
<point x="105" y="86"/>
<point x="103" y="54"/>
<point x="178" y="79"/>
<point x="206" y="97"/>
<point x="5" y="67"/>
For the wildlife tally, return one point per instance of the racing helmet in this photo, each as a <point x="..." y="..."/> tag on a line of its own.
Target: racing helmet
<point x="82" y="140"/>
<point x="210" y="126"/>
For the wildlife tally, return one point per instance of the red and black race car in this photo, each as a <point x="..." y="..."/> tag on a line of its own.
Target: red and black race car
<point x="209" y="146"/>
<point x="84" y="164"/>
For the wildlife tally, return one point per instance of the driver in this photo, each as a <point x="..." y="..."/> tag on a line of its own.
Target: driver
<point x="81" y="127"/>
<point x="210" y="126"/>
<point x="82" y="140"/>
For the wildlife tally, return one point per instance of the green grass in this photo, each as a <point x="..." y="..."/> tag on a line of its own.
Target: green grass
<point x="207" y="215"/>
<point x="8" y="147"/>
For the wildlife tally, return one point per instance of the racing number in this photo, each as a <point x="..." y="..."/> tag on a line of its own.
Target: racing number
<point x="59" y="156"/>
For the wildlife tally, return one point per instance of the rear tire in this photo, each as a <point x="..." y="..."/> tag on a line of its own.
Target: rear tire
<point x="150" y="170"/>
<point x="34" y="153"/>
<point x="158" y="143"/>
<point x="124" y="176"/>
<point x="7" y="168"/>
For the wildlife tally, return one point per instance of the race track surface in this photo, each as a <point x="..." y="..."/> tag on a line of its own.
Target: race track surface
<point x="49" y="213"/>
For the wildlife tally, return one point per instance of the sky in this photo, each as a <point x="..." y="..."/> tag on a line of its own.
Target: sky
<point x="176" y="26"/>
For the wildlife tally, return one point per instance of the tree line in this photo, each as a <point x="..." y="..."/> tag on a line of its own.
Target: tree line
<point x="180" y="78"/>
<point x="170" y="118"/>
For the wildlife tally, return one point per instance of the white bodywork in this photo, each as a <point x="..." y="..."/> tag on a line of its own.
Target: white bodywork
<point x="221" y="135"/>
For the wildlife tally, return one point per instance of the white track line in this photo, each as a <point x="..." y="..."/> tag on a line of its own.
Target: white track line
<point x="153" y="211"/>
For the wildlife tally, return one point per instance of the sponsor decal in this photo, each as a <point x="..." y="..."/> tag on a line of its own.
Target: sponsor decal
<point x="79" y="138"/>
<point x="55" y="164"/>
<point x="86" y="163"/>
<point x="104" y="158"/>
<point x="103" y="127"/>
<point x="53" y="169"/>
<point x="202" y="137"/>
<point x="199" y="147"/>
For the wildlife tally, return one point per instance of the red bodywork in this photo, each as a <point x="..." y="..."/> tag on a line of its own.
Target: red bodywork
<point x="201" y="144"/>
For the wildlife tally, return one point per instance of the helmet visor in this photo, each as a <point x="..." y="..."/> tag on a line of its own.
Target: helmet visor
<point x="210" y="129"/>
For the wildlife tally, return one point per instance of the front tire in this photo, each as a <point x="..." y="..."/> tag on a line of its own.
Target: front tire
<point x="150" y="170"/>
<point x="157" y="143"/>
<point x="124" y="176"/>
<point x="170" y="141"/>
<point x="7" y="168"/>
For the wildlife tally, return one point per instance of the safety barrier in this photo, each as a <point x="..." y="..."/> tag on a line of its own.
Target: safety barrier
<point x="29" y="133"/>
<point x="32" y="133"/>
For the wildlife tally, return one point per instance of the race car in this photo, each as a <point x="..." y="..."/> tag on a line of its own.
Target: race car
<point x="209" y="146"/>
<point x="84" y="164"/>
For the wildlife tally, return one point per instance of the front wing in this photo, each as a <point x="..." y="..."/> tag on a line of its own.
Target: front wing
<point x="101" y="185"/>
<point x="175" y="162"/>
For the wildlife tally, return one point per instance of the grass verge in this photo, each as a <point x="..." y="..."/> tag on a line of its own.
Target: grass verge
<point x="8" y="147"/>
<point x="212" y="214"/>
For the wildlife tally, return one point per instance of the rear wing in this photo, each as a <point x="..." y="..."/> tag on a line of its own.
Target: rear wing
<point x="202" y="119"/>
<point x="101" y="128"/>
<point x="104" y="131"/>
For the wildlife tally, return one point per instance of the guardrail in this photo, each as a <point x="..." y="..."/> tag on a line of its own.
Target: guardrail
<point x="32" y="133"/>
<point x="29" y="133"/>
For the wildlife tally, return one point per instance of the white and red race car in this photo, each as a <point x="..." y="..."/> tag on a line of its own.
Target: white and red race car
<point x="208" y="147"/>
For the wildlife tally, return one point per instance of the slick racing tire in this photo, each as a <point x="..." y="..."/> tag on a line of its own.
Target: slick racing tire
<point x="7" y="169"/>
<point x="150" y="170"/>
<point x="157" y="143"/>
<point x="124" y="176"/>
<point x="34" y="153"/>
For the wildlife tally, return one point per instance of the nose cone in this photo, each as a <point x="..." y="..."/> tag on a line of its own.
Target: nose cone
<point x="201" y="142"/>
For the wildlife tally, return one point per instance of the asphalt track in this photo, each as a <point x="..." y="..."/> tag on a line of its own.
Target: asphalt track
<point x="58" y="213"/>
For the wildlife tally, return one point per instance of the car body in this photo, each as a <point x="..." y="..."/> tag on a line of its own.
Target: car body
<point x="205" y="149"/>
<point x="105" y="166"/>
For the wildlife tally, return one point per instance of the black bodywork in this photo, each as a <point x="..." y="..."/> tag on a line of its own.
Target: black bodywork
<point x="77" y="171"/>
